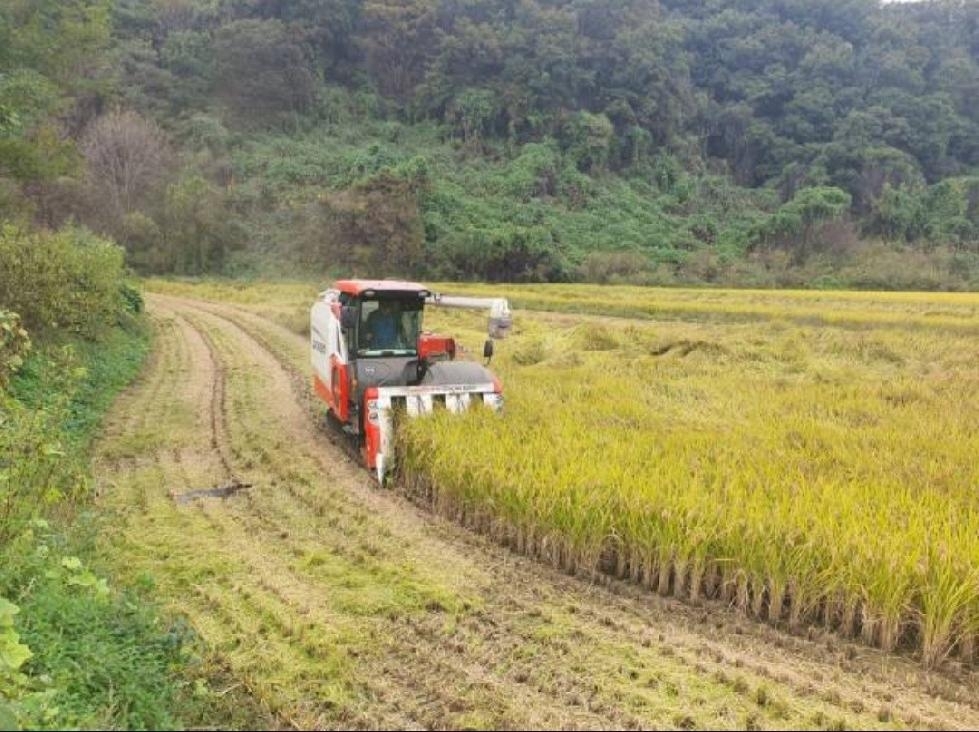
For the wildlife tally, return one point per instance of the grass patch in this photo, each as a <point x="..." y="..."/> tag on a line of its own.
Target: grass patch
<point x="84" y="375"/>
<point x="104" y="659"/>
<point x="101" y="656"/>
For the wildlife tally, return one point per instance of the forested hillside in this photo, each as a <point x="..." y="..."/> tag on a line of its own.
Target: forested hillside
<point x="753" y="142"/>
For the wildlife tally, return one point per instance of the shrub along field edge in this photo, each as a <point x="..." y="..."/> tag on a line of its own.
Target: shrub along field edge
<point x="76" y="650"/>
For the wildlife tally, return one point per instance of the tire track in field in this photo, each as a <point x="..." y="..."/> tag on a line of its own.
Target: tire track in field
<point x="424" y="676"/>
<point x="431" y="694"/>
<point x="488" y="638"/>
<point x="825" y="646"/>
<point x="172" y="406"/>
<point x="219" y="427"/>
<point x="844" y="654"/>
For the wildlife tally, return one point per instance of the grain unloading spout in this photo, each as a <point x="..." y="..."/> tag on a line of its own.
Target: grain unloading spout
<point x="500" y="318"/>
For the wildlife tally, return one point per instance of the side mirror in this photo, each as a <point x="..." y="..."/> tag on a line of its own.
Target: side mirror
<point x="348" y="317"/>
<point x="488" y="350"/>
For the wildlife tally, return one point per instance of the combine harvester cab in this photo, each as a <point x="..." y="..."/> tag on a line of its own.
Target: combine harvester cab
<point x="371" y="358"/>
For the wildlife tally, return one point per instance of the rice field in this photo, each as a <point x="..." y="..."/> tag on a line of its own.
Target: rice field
<point x="808" y="457"/>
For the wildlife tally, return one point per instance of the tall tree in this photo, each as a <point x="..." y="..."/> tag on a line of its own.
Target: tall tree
<point x="262" y="73"/>
<point x="127" y="158"/>
<point x="398" y="41"/>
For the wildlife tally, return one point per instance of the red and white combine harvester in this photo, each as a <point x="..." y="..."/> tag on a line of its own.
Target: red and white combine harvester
<point x="370" y="356"/>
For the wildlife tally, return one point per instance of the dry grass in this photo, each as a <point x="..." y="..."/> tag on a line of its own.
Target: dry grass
<point x="808" y="456"/>
<point x="336" y="605"/>
<point x="816" y="465"/>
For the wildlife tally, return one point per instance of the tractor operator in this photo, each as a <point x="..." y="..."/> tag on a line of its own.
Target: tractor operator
<point x="383" y="326"/>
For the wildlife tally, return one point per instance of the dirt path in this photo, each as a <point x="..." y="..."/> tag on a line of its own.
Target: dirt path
<point x="335" y="604"/>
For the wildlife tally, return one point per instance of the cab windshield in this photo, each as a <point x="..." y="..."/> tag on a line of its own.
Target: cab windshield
<point x="389" y="326"/>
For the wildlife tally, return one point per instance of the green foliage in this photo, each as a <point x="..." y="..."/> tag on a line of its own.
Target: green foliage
<point x="14" y="684"/>
<point x="30" y="98"/>
<point x="87" y="380"/>
<point x="396" y="40"/>
<point x="68" y="279"/>
<point x="14" y="345"/>
<point x="188" y="54"/>
<point x="614" y="267"/>
<point x="40" y="155"/>
<point x="588" y="138"/>
<point x="533" y="173"/>
<point x="49" y="51"/>
<point x="898" y="214"/>
<point x="675" y="130"/>
<point x="798" y="221"/>
<point x="9" y="120"/>
<point x="36" y="471"/>
<point x="953" y="211"/>
<point x="74" y="652"/>
<point x="505" y="254"/>
<point x="204" y="131"/>
<point x="261" y="74"/>
<point x="13" y="653"/>
<point x="132" y="298"/>
<point x="98" y="658"/>
<point x="472" y="114"/>
<point x="55" y="37"/>
<point x="947" y="212"/>
<point x="375" y="226"/>
<point x="194" y="234"/>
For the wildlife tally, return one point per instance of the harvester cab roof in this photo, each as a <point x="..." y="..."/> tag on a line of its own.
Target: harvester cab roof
<point x="368" y="305"/>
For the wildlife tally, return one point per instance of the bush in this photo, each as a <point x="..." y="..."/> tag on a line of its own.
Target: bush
<point x="132" y="299"/>
<point x="37" y="472"/>
<point x="14" y="345"/>
<point x="102" y="656"/>
<point x="69" y="279"/>
<point x="615" y="267"/>
<point x="74" y="653"/>
<point x="507" y="253"/>
<point x="14" y="684"/>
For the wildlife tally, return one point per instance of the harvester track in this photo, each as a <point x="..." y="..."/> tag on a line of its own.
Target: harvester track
<point x="324" y="421"/>
<point x="335" y="604"/>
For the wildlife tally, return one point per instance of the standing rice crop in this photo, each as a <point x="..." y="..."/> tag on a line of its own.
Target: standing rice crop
<point x="810" y="460"/>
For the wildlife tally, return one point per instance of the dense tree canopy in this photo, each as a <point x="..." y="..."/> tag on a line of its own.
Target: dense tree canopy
<point x="720" y="118"/>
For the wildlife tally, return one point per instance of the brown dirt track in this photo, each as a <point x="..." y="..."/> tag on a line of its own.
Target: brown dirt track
<point x="327" y="602"/>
